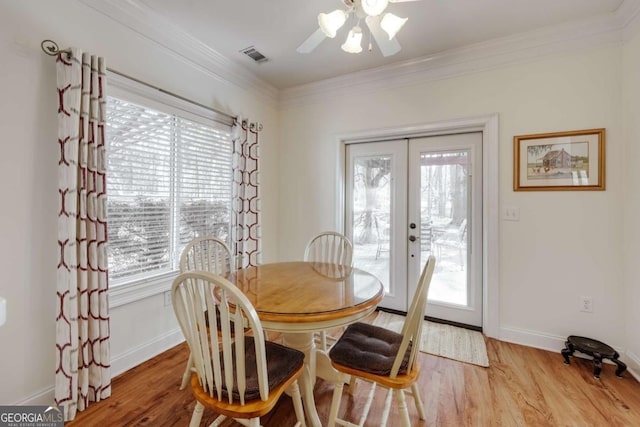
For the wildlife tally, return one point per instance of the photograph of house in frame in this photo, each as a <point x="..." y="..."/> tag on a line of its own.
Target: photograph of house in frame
<point x="572" y="160"/>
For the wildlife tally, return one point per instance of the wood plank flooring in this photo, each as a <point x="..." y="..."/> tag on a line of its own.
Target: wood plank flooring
<point x="522" y="387"/>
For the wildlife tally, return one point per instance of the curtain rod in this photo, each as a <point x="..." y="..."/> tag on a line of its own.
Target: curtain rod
<point x="51" y="48"/>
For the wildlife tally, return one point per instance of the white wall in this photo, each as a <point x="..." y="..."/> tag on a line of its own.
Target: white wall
<point x="28" y="181"/>
<point x="566" y="244"/>
<point x="631" y="93"/>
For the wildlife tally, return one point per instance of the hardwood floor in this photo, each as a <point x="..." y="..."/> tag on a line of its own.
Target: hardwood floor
<point x="522" y="387"/>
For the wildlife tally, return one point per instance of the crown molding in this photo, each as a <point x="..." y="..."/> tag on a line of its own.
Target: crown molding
<point x="603" y="30"/>
<point x="628" y="15"/>
<point x="614" y="28"/>
<point x="138" y="17"/>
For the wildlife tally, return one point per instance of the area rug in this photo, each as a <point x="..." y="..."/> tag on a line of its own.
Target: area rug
<point x="447" y="341"/>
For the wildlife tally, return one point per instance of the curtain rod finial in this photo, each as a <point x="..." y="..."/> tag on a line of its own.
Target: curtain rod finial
<point x="256" y="126"/>
<point x="50" y="47"/>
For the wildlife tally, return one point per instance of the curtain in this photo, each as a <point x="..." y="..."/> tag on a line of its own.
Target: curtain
<point x="82" y="319"/>
<point x="246" y="232"/>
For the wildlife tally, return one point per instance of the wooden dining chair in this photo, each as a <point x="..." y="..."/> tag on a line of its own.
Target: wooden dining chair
<point x="331" y="248"/>
<point x="204" y="254"/>
<point x="207" y="254"/>
<point x="239" y="378"/>
<point x="384" y="358"/>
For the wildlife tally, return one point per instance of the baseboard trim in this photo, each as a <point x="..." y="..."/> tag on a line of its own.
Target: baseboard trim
<point x="532" y="338"/>
<point x="145" y="351"/>
<point x="555" y="343"/>
<point x="119" y="364"/>
<point x="540" y="340"/>
<point x="633" y="364"/>
<point x="45" y="396"/>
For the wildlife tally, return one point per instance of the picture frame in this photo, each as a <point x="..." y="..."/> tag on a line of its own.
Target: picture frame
<point x="573" y="160"/>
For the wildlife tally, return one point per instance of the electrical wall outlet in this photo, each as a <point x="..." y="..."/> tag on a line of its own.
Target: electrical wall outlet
<point x="167" y="298"/>
<point x="586" y="304"/>
<point x="3" y="311"/>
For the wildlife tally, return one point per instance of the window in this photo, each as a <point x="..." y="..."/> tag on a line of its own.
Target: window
<point x="169" y="180"/>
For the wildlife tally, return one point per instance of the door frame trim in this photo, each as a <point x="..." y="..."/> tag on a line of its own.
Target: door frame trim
<point x="489" y="126"/>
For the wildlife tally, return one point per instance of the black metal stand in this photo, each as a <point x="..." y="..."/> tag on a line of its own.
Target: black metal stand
<point x="596" y="349"/>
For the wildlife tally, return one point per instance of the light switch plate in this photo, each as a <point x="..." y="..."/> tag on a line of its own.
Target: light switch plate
<point x="511" y="213"/>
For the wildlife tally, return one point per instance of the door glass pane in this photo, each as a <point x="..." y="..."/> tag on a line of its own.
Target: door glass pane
<point x="372" y="215"/>
<point x="444" y="197"/>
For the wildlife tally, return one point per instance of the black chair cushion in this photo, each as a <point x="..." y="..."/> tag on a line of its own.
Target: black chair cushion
<point x="282" y="362"/>
<point x="370" y="349"/>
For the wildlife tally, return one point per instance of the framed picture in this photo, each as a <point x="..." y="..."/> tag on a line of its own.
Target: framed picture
<point x="559" y="161"/>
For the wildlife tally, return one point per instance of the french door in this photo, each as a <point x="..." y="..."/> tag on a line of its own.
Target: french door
<point x="411" y="198"/>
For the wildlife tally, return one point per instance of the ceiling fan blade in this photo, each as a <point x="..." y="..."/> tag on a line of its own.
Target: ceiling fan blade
<point x="387" y="47"/>
<point x="312" y="42"/>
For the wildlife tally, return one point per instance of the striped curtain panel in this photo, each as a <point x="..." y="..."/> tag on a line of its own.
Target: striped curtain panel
<point x="82" y="319"/>
<point x="246" y="232"/>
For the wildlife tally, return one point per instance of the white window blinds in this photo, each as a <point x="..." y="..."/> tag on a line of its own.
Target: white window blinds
<point x="168" y="181"/>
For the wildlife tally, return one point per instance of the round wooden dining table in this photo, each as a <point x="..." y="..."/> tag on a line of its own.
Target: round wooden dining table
<point x="300" y="298"/>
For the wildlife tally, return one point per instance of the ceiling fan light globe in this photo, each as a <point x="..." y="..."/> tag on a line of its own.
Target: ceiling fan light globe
<point x="391" y="24"/>
<point x="374" y="7"/>
<point x="353" y="44"/>
<point x="330" y="23"/>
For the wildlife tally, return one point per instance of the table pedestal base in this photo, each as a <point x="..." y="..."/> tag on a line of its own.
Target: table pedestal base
<point x="304" y="342"/>
<point x="324" y="369"/>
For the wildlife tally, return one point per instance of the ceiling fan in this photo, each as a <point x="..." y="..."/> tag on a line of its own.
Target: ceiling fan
<point x="382" y="26"/>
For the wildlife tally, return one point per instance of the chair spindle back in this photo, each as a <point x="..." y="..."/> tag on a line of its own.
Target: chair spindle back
<point x="330" y="247"/>
<point x="207" y="254"/>
<point x="218" y="356"/>
<point x="412" y="327"/>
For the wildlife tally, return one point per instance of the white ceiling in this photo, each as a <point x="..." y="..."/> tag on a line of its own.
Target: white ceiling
<point x="277" y="27"/>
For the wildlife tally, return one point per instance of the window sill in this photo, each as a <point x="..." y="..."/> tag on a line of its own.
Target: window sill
<point x="127" y="293"/>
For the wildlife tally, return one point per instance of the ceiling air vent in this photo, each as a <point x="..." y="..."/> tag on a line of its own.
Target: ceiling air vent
<point x="252" y="53"/>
